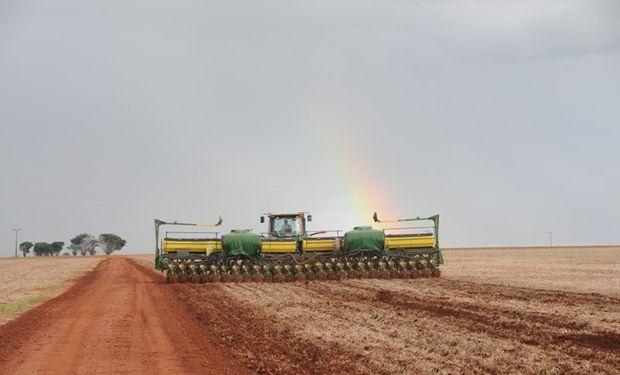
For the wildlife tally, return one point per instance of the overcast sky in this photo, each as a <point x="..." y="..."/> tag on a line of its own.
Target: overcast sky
<point x="502" y="116"/>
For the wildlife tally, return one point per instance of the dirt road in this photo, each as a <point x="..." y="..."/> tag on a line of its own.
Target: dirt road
<point x="116" y="320"/>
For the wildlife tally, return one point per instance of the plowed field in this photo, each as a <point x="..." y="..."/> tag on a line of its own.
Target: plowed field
<point x="533" y="311"/>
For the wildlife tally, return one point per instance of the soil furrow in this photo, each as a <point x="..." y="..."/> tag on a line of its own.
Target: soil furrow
<point x="266" y="345"/>
<point x="528" y="328"/>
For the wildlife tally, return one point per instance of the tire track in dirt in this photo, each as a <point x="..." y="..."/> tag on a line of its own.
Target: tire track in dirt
<point x="448" y="308"/>
<point x="525" y="327"/>
<point x="494" y="291"/>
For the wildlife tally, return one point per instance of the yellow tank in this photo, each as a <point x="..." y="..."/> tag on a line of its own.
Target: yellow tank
<point x="317" y="245"/>
<point x="393" y="242"/>
<point x="279" y="247"/>
<point x="206" y="246"/>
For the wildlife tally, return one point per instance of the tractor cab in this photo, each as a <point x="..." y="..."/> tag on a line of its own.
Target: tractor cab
<point x="286" y="225"/>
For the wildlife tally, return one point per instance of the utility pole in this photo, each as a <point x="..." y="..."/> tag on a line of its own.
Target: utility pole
<point x="550" y="238"/>
<point x="16" y="231"/>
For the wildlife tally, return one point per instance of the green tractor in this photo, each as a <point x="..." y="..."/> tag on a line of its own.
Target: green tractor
<point x="288" y="252"/>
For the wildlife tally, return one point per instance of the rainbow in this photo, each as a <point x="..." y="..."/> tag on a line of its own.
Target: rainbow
<point x="363" y="189"/>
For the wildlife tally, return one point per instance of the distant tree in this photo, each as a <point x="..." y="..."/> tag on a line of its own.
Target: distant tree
<point x="110" y="242"/>
<point x="42" y="248"/>
<point x="91" y="245"/>
<point x="56" y="247"/>
<point x="25" y="247"/>
<point x="76" y="243"/>
<point x="84" y="244"/>
<point x="65" y="254"/>
<point x="75" y="248"/>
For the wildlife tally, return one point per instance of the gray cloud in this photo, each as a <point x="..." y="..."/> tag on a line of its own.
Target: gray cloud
<point x="500" y="115"/>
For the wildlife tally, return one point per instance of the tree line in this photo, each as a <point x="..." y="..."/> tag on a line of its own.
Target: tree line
<point x="83" y="244"/>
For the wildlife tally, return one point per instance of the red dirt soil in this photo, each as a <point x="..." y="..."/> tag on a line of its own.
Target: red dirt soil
<point x="117" y="319"/>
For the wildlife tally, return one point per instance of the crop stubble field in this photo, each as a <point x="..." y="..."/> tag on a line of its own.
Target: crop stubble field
<point x="515" y="310"/>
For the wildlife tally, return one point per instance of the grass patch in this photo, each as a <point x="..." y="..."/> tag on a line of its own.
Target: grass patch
<point x="10" y="309"/>
<point x="53" y="290"/>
